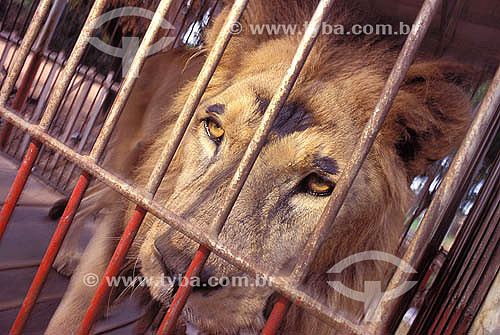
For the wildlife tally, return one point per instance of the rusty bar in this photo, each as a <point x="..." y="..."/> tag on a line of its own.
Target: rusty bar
<point x="128" y="82"/>
<point x="18" y="185"/>
<point x="195" y="96"/>
<point x="67" y="74"/>
<point x="24" y="49"/>
<point x="169" y="322"/>
<point x="448" y="187"/>
<point x="279" y="311"/>
<point x="142" y="198"/>
<point x="251" y="153"/>
<point x="32" y="69"/>
<point x="277" y="102"/>
<point x="50" y="254"/>
<point x="398" y="74"/>
<point x="135" y="222"/>
<point x="167" y="155"/>
<point x="47" y="117"/>
<point x="466" y="267"/>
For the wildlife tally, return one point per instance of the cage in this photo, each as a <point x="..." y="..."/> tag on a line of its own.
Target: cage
<point x="61" y="99"/>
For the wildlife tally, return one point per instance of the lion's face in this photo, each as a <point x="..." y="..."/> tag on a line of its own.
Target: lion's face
<point x="283" y="198"/>
<point x="310" y="143"/>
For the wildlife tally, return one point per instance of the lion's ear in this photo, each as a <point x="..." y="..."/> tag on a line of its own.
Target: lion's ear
<point x="431" y="113"/>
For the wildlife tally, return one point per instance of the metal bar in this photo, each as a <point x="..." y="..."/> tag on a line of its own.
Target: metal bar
<point x="128" y="82"/>
<point x="104" y="136"/>
<point x="47" y="118"/>
<point x="194" y="98"/>
<point x="169" y="322"/>
<point x="18" y="185"/>
<point x="111" y="271"/>
<point x="448" y="188"/>
<point x="24" y="49"/>
<point x="142" y="198"/>
<point x="460" y="274"/>
<point x="398" y="74"/>
<point x="277" y="102"/>
<point x="35" y="62"/>
<point x="169" y="151"/>
<point x="250" y="156"/>
<point x="54" y="101"/>
<point x="62" y="84"/>
<point x="476" y="215"/>
<point x="278" y="313"/>
<point x="4" y="19"/>
<point x="94" y="113"/>
<point x="50" y="254"/>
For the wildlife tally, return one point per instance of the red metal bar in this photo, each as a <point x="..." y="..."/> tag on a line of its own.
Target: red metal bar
<point x="50" y="254"/>
<point x="112" y="270"/>
<point x="277" y="315"/>
<point x="18" y="185"/>
<point x="175" y="309"/>
<point x="21" y="95"/>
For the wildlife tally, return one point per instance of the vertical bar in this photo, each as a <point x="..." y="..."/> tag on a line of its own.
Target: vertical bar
<point x="278" y="313"/>
<point x="442" y="199"/>
<point x="367" y="139"/>
<point x="249" y="158"/>
<point x="24" y="49"/>
<point x="398" y="74"/>
<point x="137" y="217"/>
<point x="128" y="82"/>
<point x="169" y="151"/>
<point x="194" y="98"/>
<point x="111" y="271"/>
<point x="277" y="102"/>
<point x="168" y="324"/>
<point x="50" y="254"/>
<point x="77" y="194"/>
<point x="62" y="83"/>
<point x="18" y="185"/>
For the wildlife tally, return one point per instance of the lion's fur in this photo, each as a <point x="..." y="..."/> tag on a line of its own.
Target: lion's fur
<point x="270" y="222"/>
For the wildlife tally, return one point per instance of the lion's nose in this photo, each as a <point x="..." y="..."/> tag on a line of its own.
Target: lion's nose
<point x="162" y="252"/>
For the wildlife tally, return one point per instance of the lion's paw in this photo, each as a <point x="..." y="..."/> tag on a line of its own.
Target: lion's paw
<point x="66" y="262"/>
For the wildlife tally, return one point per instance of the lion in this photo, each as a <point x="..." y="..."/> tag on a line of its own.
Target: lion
<point x="293" y="178"/>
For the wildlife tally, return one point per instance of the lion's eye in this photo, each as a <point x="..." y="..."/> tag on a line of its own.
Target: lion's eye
<point x="318" y="186"/>
<point x="214" y="131"/>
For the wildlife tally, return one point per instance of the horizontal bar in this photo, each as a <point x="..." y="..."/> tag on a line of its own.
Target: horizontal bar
<point x="24" y="49"/>
<point x="277" y="102"/>
<point x="448" y="187"/>
<point x="138" y="196"/>
<point x="398" y="74"/>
